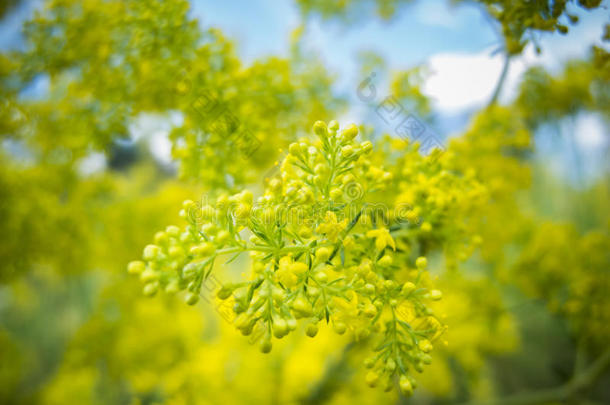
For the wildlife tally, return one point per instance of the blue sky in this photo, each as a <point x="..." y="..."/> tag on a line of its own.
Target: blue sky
<point x="457" y="43"/>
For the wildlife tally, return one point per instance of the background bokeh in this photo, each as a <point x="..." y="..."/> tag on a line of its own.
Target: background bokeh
<point x="102" y="141"/>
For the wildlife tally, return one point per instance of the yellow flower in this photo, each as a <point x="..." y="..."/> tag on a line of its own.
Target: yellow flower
<point x="382" y="238"/>
<point x="330" y="227"/>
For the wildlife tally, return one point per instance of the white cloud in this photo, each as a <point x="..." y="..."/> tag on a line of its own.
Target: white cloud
<point x="461" y="81"/>
<point x="591" y="133"/>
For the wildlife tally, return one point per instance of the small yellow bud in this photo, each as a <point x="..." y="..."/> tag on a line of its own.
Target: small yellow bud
<point x="408" y="287"/>
<point x="225" y="292"/>
<point x="136" y="267"/>
<point x="242" y="211"/>
<point x="372" y="378"/>
<point x="333" y="125"/>
<point x="425" y="346"/>
<point x="149" y="275"/>
<point x="223" y="237"/>
<point x="302" y="306"/>
<point x="405" y="386"/>
<point x="204" y="249"/>
<point x="151" y="252"/>
<point x="298" y="267"/>
<point x="311" y="329"/>
<point x="173" y="231"/>
<point x="336" y="193"/>
<point x="175" y="252"/>
<point x="421" y="263"/>
<point x="370" y="311"/>
<point x="265" y="346"/>
<point x="160" y="238"/>
<point x="305" y="232"/>
<point x="322" y="254"/>
<point x="150" y="289"/>
<point x="188" y="205"/>
<point x="347" y="151"/>
<point x="350" y="132"/>
<point x="321" y="277"/>
<point x="366" y="146"/>
<point x="275" y="184"/>
<point x="294" y="149"/>
<point x="280" y="328"/>
<point x="436" y="295"/>
<point x="246" y="197"/>
<point x="385" y="261"/>
<point x="319" y="128"/>
<point x="320" y="169"/>
<point x="191" y="298"/>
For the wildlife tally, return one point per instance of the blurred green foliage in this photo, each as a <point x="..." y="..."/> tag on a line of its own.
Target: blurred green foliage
<point x="522" y="257"/>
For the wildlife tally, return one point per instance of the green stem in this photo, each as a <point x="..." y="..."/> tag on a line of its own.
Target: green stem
<point x="559" y="394"/>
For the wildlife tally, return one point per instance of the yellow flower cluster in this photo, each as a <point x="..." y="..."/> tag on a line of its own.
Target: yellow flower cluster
<point x="319" y="252"/>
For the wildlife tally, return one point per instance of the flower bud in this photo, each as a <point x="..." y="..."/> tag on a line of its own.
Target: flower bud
<point x="265" y="346"/>
<point x="149" y="275"/>
<point x="321" y="277"/>
<point x="225" y="292"/>
<point x="223" y="237"/>
<point x="151" y="252"/>
<point x="203" y="249"/>
<point x="407" y="288"/>
<point x="191" y="298"/>
<point x="385" y="261"/>
<point x="366" y="146"/>
<point x="175" y="252"/>
<point x="350" y="132"/>
<point x="280" y="328"/>
<point x="425" y="345"/>
<point x="319" y="128"/>
<point x="322" y="254"/>
<point x="305" y="232"/>
<point x="150" y="289"/>
<point x="173" y="231"/>
<point x="347" y="151"/>
<point x="405" y="386"/>
<point x="160" y="238"/>
<point x="372" y="378"/>
<point x="370" y="311"/>
<point x="436" y="295"/>
<point x="302" y="306"/>
<point x="421" y="263"/>
<point x="336" y="193"/>
<point x="294" y="149"/>
<point x="136" y="267"/>
<point x="311" y="329"/>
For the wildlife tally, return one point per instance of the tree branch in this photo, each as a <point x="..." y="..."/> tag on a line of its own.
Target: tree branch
<point x="501" y="80"/>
